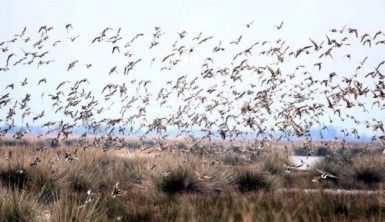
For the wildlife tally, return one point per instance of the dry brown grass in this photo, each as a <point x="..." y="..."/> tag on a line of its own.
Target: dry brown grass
<point x="180" y="187"/>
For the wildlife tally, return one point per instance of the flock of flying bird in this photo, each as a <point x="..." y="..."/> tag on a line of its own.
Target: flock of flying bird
<point x="262" y="92"/>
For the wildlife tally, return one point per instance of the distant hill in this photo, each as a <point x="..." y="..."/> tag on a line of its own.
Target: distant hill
<point x="329" y="134"/>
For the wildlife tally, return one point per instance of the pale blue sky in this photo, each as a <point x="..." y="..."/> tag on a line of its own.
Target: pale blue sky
<point x="309" y="16"/>
<point x="225" y="20"/>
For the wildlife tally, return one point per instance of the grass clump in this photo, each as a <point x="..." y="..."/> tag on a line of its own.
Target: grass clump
<point x="44" y="184"/>
<point x="17" y="207"/>
<point x="39" y="180"/>
<point x="273" y="163"/>
<point x="139" y="208"/>
<point x="14" y="177"/>
<point x="99" y="172"/>
<point x="70" y="209"/>
<point x="233" y="159"/>
<point x="368" y="171"/>
<point x="178" y="180"/>
<point x="248" y="180"/>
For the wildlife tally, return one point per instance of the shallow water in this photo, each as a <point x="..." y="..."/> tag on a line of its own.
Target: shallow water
<point x="332" y="191"/>
<point x="309" y="161"/>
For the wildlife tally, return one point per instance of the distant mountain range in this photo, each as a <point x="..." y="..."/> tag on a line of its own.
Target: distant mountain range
<point x="329" y="134"/>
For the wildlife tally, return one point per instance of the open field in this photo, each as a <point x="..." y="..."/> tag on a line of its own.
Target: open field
<point x="192" y="111"/>
<point x="67" y="184"/>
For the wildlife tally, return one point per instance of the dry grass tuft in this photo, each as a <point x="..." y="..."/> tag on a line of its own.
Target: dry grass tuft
<point x="16" y="206"/>
<point x="253" y="180"/>
<point x="367" y="171"/>
<point x="181" y="179"/>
